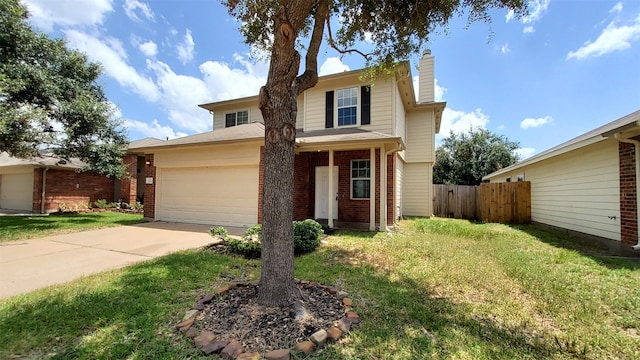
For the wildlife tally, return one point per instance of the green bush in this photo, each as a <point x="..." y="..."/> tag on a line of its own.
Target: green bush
<point x="102" y="204"/>
<point x="219" y="232"/>
<point x="306" y="236"/>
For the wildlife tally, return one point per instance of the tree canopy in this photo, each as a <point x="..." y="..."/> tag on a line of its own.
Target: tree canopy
<point x="396" y="29"/>
<point x="463" y="159"/>
<point x="50" y="99"/>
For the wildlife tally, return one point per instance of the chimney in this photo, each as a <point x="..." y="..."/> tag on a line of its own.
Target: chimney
<point x="426" y="82"/>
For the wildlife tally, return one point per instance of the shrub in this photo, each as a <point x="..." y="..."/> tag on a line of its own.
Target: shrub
<point x="101" y="204"/>
<point x="219" y="232"/>
<point x="138" y="206"/>
<point x="306" y="236"/>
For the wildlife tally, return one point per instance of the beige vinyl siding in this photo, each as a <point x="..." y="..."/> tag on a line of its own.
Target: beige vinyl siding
<point x="417" y="187"/>
<point x="219" y="116"/>
<point x="217" y="155"/>
<point x="579" y="190"/>
<point x="400" y="120"/>
<point x="426" y="84"/>
<point x="381" y="104"/>
<point x="221" y="195"/>
<point x="420" y="137"/>
<point x="16" y="189"/>
<point x="399" y="180"/>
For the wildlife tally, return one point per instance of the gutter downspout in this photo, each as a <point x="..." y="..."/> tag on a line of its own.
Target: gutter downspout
<point x="44" y="187"/>
<point x="637" y="152"/>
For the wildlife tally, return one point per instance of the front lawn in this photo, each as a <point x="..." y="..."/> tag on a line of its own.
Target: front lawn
<point x="437" y="289"/>
<point x="26" y="227"/>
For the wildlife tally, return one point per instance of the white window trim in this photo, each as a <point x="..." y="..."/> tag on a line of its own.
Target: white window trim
<point x="351" y="178"/>
<point x="358" y="107"/>
<point x="236" y="114"/>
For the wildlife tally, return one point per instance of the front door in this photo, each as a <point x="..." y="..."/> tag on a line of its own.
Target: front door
<point x="322" y="192"/>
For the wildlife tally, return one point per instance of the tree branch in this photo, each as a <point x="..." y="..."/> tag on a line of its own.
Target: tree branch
<point x="333" y="44"/>
<point x="310" y="76"/>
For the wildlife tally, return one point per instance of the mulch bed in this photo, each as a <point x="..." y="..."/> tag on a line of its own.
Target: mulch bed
<point x="235" y="315"/>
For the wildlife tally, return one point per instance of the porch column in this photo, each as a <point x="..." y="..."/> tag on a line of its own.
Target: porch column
<point x="383" y="189"/>
<point x="331" y="191"/>
<point x="372" y="191"/>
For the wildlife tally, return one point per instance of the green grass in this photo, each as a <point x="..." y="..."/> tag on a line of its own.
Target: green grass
<point x="444" y="289"/>
<point x="26" y="227"/>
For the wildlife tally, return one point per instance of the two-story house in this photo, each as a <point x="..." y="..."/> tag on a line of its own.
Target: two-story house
<point x="348" y="134"/>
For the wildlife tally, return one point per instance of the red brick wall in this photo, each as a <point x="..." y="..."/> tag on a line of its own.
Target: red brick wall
<point x="628" y="195"/>
<point x="349" y="210"/>
<point x="70" y="190"/>
<point x="149" y="189"/>
<point x="129" y="183"/>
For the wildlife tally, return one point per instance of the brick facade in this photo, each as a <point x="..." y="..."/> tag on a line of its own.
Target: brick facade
<point x="628" y="194"/>
<point x="149" y="189"/>
<point x="70" y="190"/>
<point x="349" y="210"/>
<point x="129" y="183"/>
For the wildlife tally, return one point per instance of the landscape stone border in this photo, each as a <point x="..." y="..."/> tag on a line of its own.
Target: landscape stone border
<point x="210" y="344"/>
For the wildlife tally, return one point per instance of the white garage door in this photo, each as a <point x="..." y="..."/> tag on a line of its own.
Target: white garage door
<point x="16" y="191"/>
<point x="225" y="196"/>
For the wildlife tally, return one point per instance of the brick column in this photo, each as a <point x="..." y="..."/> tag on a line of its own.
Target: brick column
<point x="129" y="182"/>
<point x="628" y="194"/>
<point x="149" y="189"/>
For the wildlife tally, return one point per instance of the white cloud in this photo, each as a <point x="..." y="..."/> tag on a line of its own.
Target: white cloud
<point x="529" y="29"/>
<point x="524" y="153"/>
<point x="613" y="38"/>
<point x="153" y="129"/>
<point x="132" y="6"/>
<point x="537" y="8"/>
<point x="616" y="8"/>
<point x="534" y="123"/>
<point x="180" y="96"/>
<point x="461" y="122"/>
<point x="46" y="13"/>
<point x="332" y="65"/>
<point x="222" y="80"/>
<point x="500" y="127"/>
<point x="185" y="48"/>
<point x="148" y="48"/>
<point x="505" y="48"/>
<point x="114" y="63"/>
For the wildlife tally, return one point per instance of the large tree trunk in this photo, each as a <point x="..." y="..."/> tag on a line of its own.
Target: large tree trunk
<point x="278" y="104"/>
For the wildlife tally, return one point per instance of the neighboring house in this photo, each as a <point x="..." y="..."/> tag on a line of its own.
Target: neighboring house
<point x="25" y="182"/>
<point x="348" y="133"/>
<point x="588" y="185"/>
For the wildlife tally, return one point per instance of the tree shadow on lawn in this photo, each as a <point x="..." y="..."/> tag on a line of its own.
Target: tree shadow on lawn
<point x="131" y="316"/>
<point x="602" y="253"/>
<point x="54" y="222"/>
<point x="402" y="317"/>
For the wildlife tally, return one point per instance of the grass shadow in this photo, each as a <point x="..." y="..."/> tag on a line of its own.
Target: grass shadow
<point x="601" y="252"/>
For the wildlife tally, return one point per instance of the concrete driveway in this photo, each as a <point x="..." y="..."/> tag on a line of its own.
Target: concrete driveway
<point x="26" y="265"/>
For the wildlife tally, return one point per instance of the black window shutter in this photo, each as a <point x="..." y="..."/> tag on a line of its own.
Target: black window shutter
<point x="365" y="95"/>
<point x="328" y="116"/>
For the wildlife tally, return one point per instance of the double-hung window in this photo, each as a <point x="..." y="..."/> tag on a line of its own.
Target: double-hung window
<point x="347" y="106"/>
<point x="360" y="179"/>
<point x="236" y="118"/>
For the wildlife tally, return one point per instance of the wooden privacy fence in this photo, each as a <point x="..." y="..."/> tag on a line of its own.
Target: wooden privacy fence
<point x="455" y="201"/>
<point x="496" y="202"/>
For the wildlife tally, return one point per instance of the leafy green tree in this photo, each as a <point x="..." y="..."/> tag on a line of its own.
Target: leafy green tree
<point x="463" y="159"/>
<point x="50" y="99"/>
<point x="397" y="28"/>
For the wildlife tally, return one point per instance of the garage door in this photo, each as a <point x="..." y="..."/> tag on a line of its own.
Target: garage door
<point x="225" y="196"/>
<point x="16" y="191"/>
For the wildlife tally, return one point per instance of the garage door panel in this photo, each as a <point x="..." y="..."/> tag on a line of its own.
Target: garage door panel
<point x="16" y="191"/>
<point x="209" y="195"/>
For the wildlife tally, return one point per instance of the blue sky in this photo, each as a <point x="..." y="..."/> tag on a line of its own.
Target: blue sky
<point x="568" y="67"/>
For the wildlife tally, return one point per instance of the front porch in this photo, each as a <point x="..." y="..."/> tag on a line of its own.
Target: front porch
<point x="352" y="198"/>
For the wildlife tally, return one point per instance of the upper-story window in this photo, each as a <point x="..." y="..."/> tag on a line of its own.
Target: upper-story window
<point x="347" y="106"/>
<point x="236" y="118"/>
